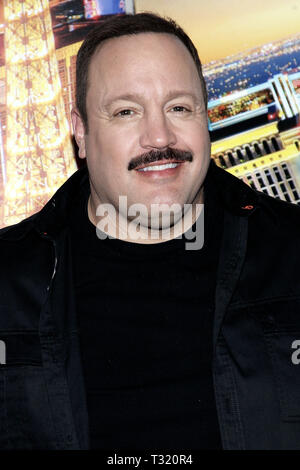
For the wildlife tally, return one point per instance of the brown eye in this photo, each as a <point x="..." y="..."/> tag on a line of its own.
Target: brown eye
<point x="125" y="112"/>
<point x="180" y="109"/>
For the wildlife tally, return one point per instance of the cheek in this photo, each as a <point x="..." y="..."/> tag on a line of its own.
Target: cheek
<point x="110" y="159"/>
<point x="194" y="136"/>
<point x="104" y="150"/>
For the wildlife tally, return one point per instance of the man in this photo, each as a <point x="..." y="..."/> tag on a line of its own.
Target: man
<point x="118" y="332"/>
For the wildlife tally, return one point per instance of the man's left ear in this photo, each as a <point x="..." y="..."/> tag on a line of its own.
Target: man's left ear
<point x="79" y="132"/>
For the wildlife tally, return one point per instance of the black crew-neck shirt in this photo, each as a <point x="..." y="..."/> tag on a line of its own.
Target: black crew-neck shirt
<point x="145" y="316"/>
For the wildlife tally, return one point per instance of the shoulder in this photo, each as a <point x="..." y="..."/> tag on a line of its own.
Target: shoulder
<point x="52" y="217"/>
<point x="235" y="195"/>
<point x="17" y="231"/>
<point x="280" y="214"/>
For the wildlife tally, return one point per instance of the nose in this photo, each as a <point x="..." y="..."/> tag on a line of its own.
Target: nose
<point x="156" y="132"/>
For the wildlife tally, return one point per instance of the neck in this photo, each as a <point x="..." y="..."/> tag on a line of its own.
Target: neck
<point x="117" y="226"/>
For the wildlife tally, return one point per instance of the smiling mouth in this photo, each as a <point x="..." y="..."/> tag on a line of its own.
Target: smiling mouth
<point x="159" y="166"/>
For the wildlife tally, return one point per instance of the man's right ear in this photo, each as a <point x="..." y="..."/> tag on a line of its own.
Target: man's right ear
<point x="79" y="132"/>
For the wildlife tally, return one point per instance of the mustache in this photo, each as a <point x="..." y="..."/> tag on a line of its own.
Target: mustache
<point x="157" y="155"/>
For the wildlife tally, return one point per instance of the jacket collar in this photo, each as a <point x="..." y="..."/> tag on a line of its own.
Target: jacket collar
<point x="52" y="217"/>
<point x="237" y="197"/>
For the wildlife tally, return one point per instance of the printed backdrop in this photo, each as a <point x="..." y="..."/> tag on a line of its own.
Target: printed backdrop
<point x="251" y="59"/>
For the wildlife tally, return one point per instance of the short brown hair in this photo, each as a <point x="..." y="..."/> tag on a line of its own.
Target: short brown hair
<point x="123" y="25"/>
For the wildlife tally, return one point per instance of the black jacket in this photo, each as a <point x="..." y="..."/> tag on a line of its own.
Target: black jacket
<point x="256" y="365"/>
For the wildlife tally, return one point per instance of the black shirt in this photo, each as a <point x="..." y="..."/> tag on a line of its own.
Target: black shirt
<point x="145" y="315"/>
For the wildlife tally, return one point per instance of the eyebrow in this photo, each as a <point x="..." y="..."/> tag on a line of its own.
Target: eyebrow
<point x="139" y="97"/>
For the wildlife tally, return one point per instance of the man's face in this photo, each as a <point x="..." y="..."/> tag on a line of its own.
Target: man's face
<point x="144" y="96"/>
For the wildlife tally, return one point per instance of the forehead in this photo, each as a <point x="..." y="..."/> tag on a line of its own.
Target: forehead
<point x="134" y="58"/>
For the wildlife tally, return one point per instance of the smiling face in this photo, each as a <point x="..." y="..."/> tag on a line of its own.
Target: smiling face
<point x="144" y="97"/>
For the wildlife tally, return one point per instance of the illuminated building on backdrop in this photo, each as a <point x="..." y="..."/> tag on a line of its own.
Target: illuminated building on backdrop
<point x="39" y="153"/>
<point x="256" y="136"/>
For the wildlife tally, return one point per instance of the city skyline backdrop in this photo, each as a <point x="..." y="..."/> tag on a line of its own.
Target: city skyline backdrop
<point x="220" y="28"/>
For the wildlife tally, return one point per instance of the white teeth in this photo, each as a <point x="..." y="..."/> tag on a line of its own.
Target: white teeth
<point x="159" y="167"/>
